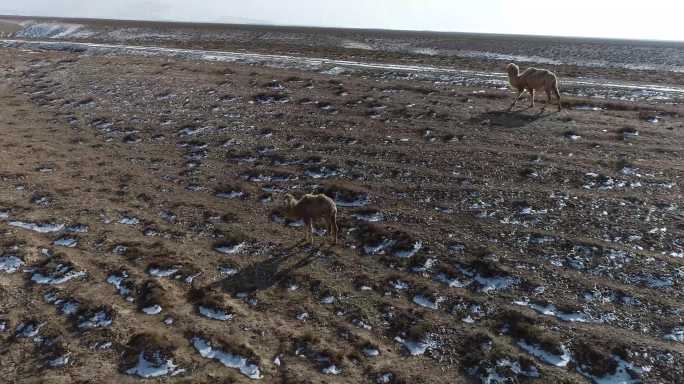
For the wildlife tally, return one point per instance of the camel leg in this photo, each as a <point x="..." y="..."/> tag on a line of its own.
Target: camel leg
<point x="328" y="227"/>
<point x="333" y="227"/>
<point x="548" y="99"/>
<point x="558" y="96"/>
<point x="531" y="90"/>
<point x="520" y="92"/>
<point x="308" y="230"/>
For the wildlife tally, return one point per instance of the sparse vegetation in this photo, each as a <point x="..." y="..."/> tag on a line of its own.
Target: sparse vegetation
<point x="464" y="230"/>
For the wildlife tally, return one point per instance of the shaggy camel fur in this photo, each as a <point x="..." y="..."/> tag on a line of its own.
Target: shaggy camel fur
<point x="312" y="207"/>
<point x="533" y="79"/>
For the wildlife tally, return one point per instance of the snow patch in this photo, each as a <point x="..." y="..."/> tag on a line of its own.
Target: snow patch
<point x="677" y="334"/>
<point x="230" y="249"/>
<point x="622" y="374"/>
<point x="10" y="264"/>
<point x="37" y="227"/>
<point x="490" y="284"/>
<point x="378" y="248"/>
<point x="162" y="272"/>
<point x="155" y="367"/>
<point x="206" y="350"/>
<point x="407" y="253"/>
<point x="551" y="310"/>
<point x="68" y="242"/>
<point x="33" y="29"/>
<point x="549" y="358"/>
<point x="372" y="217"/>
<point x="62" y="274"/>
<point x="152" y="310"/>
<point x="416" y="348"/>
<point x="99" y="320"/>
<point x="215" y="314"/>
<point x="426" y="302"/>
<point x="331" y="370"/>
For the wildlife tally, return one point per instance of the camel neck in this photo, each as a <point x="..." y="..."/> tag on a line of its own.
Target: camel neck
<point x="514" y="78"/>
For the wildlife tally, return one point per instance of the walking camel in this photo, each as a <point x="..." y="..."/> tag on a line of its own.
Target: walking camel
<point x="533" y="79"/>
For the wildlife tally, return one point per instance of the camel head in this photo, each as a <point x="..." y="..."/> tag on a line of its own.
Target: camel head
<point x="512" y="69"/>
<point x="290" y="201"/>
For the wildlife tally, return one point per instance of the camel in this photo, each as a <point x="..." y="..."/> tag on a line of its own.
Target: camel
<point x="533" y="79"/>
<point x="311" y="207"/>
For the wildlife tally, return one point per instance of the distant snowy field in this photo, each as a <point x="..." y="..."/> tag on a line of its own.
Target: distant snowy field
<point x="551" y="53"/>
<point x="40" y="30"/>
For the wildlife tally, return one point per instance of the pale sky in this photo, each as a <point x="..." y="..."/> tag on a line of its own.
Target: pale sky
<point x="651" y="19"/>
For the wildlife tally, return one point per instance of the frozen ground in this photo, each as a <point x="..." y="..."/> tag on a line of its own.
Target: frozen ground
<point x="619" y="90"/>
<point x="142" y="233"/>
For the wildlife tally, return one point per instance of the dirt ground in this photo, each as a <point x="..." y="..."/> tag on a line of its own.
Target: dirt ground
<point x="140" y="194"/>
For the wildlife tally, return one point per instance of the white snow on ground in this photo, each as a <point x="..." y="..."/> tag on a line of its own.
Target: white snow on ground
<point x="152" y="310"/>
<point x="215" y="314"/>
<point x="62" y="274"/>
<point x="501" y="373"/>
<point x="230" y="249"/>
<point x="36" y="29"/>
<point x="206" y="350"/>
<point x="369" y="217"/>
<point x="416" y="348"/>
<point x="549" y="358"/>
<point x="99" y="320"/>
<point x="28" y="330"/>
<point x="230" y="195"/>
<point x="378" y="248"/>
<point x="453" y="282"/>
<point x="40" y="228"/>
<point x="400" y="285"/>
<point x="551" y="310"/>
<point x="148" y="369"/>
<point x="515" y="367"/>
<point x="163" y="272"/>
<point x="405" y="254"/>
<point x="426" y="51"/>
<point x="620" y="376"/>
<point x="10" y="264"/>
<point x="117" y="281"/>
<point x="68" y="242"/>
<point x="489" y="284"/>
<point x="128" y="220"/>
<point x="32" y="29"/>
<point x="677" y="334"/>
<point x="490" y="79"/>
<point x="426" y="302"/>
<point x="331" y="370"/>
<point x="356" y="45"/>
<point x="70" y="307"/>
<point x="59" y="361"/>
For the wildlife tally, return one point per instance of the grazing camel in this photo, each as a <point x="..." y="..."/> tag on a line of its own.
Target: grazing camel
<point x="312" y="207"/>
<point x="533" y="79"/>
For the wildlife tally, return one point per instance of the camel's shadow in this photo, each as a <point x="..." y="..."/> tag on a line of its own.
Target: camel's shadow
<point x="268" y="273"/>
<point x="510" y="119"/>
